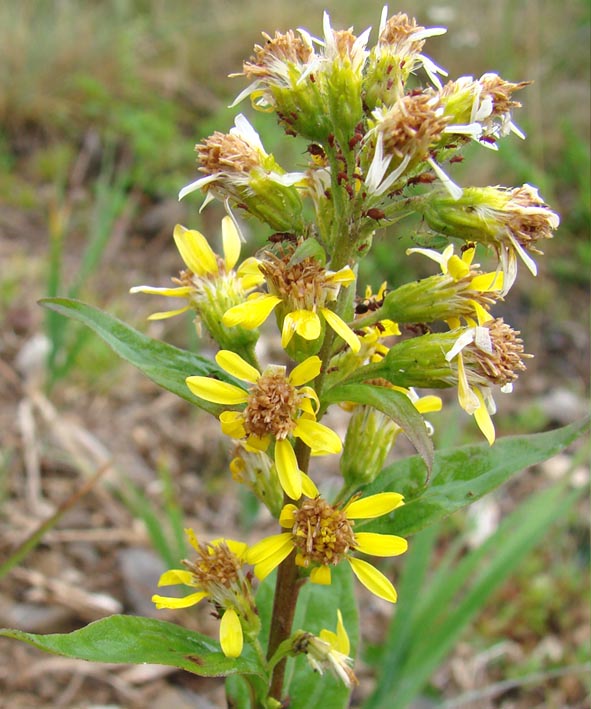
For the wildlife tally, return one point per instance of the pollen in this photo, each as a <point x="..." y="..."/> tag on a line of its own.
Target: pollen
<point x="506" y="359"/>
<point x="413" y="125"/>
<point x="272" y="406"/>
<point x="322" y="533"/>
<point x="215" y="566"/>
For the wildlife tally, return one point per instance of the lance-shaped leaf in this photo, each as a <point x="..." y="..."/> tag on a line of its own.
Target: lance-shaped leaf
<point x="460" y="476"/>
<point x="137" y="640"/>
<point x="164" y="364"/>
<point x="394" y="404"/>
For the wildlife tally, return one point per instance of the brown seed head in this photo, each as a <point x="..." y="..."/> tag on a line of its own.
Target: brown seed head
<point x="528" y="218"/>
<point x="413" y="125"/>
<point x="398" y="34"/>
<point x="225" y="152"/>
<point x="500" y="92"/>
<point x="281" y="49"/>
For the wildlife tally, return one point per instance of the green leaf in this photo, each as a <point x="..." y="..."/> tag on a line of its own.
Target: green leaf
<point x="461" y="476"/>
<point x="394" y="404"/>
<point x="164" y="364"/>
<point x="137" y="640"/>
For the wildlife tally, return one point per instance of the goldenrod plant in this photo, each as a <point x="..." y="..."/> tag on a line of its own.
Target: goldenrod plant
<point x="384" y="129"/>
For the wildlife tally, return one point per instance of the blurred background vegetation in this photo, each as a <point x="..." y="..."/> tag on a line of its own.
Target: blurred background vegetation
<point x="101" y="103"/>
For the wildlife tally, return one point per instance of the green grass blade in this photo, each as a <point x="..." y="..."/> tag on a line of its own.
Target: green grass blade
<point x="435" y="637"/>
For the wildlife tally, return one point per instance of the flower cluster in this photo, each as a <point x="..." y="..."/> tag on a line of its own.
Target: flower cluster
<point x="381" y="146"/>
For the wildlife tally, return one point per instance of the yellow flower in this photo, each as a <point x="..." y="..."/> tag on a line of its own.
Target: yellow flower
<point x="216" y="575"/>
<point x="277" y="407"/>
<point x="322" y="535"/>
<point x="329" y="650"/>
<point x="207" y="273"/>
<point x="302" y="290"/>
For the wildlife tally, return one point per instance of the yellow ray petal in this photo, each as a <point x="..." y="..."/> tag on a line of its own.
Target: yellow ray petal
<point x="342" y="329"/>
<point x="345" y="276"/>
<point x="288" y="472"/>
<point x="192" y="537"/>
<point x="231" y="243"/>
<point x="380" y="544"/>
<point x="190" y="600"/>
<point x="195" y="251"/>
<point x="320" y="438"/>
<point x="482" y="315"/>
<point x="236" y="366"/>
<point x="305" y="322"/>
<point x="215" y="391"/>
<point x="309" y="489"/>
<point x="237" y="548"/>
<point x="269" y="547"/>
<point x="306" y="371"/>
<point x="252" y="313"/>
<point x="373" y="579"/>
<point x="483" y="419"/>
<point x="321" y="575"/>
<point x="174" y="576"/>
<point x="249" y="274"/>
<point x="342" y="645"/>
<point x="163" y="315"/>
<point x="270" y="553"/>
<point x="457" y="268"/>
<point x="428" y="404"/>
<point x="374" y="505"/>
<point x="287" y="516"/>
<point x="467" y="398"/>
<point x="487" y="282"/>
<point x="231" y="638"/>
<point x="233" y="424"/>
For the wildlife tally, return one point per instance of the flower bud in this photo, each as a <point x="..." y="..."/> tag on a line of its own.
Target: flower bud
<point x="370" y="437"/>
<point x="256" y="470"/>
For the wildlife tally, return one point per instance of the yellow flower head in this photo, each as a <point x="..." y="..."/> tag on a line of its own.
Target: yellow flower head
<point x="217" y="575"/>
<point x="322" y="536"/>
<point x="210" y="284"/>
<point x="277" y="407"/>
<point x="302" y="290"/>
<point x="328" y="650"/>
